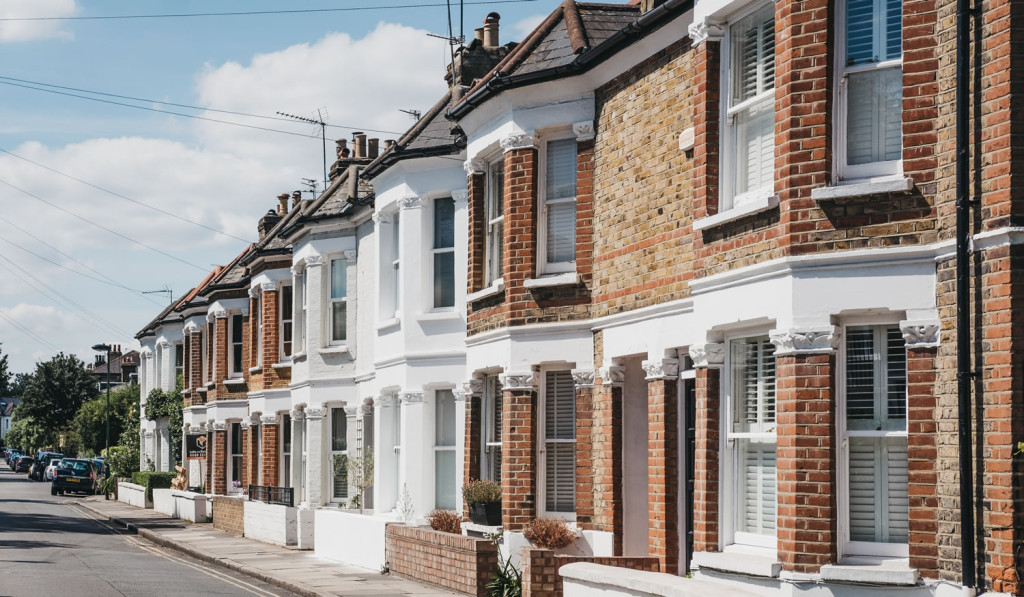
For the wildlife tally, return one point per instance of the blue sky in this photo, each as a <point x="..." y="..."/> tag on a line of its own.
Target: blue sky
<point x="65" y="282"/>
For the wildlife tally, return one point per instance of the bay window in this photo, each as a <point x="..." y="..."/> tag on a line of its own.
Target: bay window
<point x="558" y="211"/>
<point x="339" y="453"/>
<point x="558" y="429"/>
<point x="301" y="310"/>
<point x="444" y="450"/>
<point x="236" y="345"/>
<point x="870" y="142"/>
<point x="752" y="440"/>
<point x="443" y="253"/>
<point x="490" y="464"/>
<point x="494" y="225"/>
<point x="748" y="161"/>
<point x="875" y="439"/>
<point x="286" y="322"/>
<point x="338" y="301"/>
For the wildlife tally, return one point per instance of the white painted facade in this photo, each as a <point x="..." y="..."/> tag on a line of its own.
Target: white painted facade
<point x="157" y="370"/>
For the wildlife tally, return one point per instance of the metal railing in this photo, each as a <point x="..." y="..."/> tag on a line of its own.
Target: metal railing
<point x="282" y="496"/>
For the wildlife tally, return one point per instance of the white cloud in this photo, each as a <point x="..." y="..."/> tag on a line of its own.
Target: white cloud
<point x="21" y="31"/>
<point x="526" y="26"/>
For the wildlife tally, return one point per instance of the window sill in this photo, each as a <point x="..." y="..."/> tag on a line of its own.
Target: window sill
<point x="334" y="350"/>
<point x="863" y="189"/>
<point x="256" y="369"/>
<point x="750" y="208"/>
<point x="210" y="384"/>
<point x="439" y="316"/>
<point x="752" y="562"/>
<point x="496" y="287"/>
<point x="873" y="570"/>
<point x="287" y="365"/>
<point x="394" y="322"/>
<point x="299" y="356"/>
<point x="237" y="381"/>
<point x="566" y="279"/>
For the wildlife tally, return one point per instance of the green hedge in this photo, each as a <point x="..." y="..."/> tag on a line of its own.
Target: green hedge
<point x="152" y="480"/>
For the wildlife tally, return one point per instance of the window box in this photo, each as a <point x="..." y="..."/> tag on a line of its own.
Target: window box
<point x="486" y="514"/>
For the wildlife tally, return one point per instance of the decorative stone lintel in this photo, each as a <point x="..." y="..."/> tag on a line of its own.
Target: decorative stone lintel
<point x="350" y="254"/>
<point x="661" y="369"/>
<point x="460" y="195"/>
<point x="220" y="314"/>
<point x="706" y="30"/>
<point x="268" y="419"/>
<point x="413" y="397"/>
<point x="805" y="341"/>
<point x="315" y="413"/>
<point x="254" y="419"/>
<point x="386" y="400"/>
<point x="460" y="395"/>
<point x="268" y="286"/>
<point x="517" y="141"/>
<point x="351" y="411"/>
<point x="921" y="333"/>
<point x="474" y="386"/>
<point x="612" y="374"/>
<point x="410" y="202"/>
<point x="475" y="166"/>
<point x="381" y="218"/>
<point x="583" y="378"/>
<point x="254" y="291"/>
<point x="584" y="131"/>
<point x="220" y="426"/>
<point x="518" y="381"/>
<point x="314" y="260"/>
<point x="708" y="354"/>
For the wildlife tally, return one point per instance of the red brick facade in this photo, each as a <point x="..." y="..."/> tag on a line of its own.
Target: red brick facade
<point x="269" y="449"/>
<point x="518" y="458"/>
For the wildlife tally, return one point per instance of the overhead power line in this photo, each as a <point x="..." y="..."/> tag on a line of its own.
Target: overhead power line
<point x="29" y="332"/>
<point x="252" y="12"/>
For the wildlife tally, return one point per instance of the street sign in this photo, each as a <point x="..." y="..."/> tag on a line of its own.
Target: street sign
<point x="195" y="447"/>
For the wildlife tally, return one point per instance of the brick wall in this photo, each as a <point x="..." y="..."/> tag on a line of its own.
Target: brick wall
<point x="540" y="569"/>
<point x="229" y="515"/>
<point x="584" y="457"/>
<point x="922" y="453"/>
<point x="806" y="461"/>
<point x="518" y="458"/>
<point x="456" y="562"/>
<point x="705" y="491"/>
<point x="606" y="439"/>
<point x="268" y="460"/>
<point x="663" y="472"/>
<point x="471" y="461"/>
<point x="219" y="462"/>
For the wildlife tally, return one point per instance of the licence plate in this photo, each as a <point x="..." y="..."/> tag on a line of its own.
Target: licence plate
<point x="73" y="479"/>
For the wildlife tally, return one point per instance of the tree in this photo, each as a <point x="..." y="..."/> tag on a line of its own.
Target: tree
<point x="19" y="383"/>
<point x="90" y="421"/>
<point x="55" y="393"/>
<point x="5" y="374"/>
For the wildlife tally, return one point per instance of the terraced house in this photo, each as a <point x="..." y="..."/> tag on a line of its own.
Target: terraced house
<point x="709" y="288"/>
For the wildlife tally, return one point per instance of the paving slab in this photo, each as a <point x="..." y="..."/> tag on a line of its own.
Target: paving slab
<point x="297" y="571"/>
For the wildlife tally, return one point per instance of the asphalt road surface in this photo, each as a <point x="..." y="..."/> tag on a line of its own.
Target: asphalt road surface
<point x="51" y="547"/>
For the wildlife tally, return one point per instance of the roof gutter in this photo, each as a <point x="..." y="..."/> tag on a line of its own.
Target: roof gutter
<point x="597" y="55"/>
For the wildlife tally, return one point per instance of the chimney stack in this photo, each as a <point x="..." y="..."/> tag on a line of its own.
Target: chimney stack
<point x="296" y="198"/>
<point x="491" y="30"/>
<point x="282" y="204"/>
<point x="647" y="6"/>
<point x="373" y="149"/>
<point x="359" y="145"/>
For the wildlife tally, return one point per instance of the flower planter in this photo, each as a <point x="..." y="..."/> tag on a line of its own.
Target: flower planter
<point x="488" y="514"/>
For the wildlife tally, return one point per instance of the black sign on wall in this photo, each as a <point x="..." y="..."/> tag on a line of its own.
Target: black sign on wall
<point x="195" y="447"/>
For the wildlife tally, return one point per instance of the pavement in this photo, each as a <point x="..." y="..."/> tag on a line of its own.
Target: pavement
<point x="296" y="571"/>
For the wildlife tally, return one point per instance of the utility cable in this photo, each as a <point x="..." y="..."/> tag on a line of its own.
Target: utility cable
<point x="120" y="196"/>
<point x="102" y="227"/>
<point x="28" y="332"/>
<point x="250" y="12"/>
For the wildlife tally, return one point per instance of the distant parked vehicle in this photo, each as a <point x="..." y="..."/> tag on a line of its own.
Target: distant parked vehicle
<point x="48" y="474"/>
<point x="40" y="463"/>
<point x="74" y="475"/>
<point x="22" y="464"/>
<point x="11" y="456"/>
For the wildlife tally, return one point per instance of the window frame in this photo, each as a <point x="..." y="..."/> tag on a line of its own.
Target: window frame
<point x="731" y="462"/>
<point x="332" y="452"/>
<point x="287" y="445"/>
<point x="437" y="448"/>
<point x="729" y="159"/>
<point x="300" y="297"/>
<point x="236" y="372"/>
<point x="434" y="250"/>
<point x="330" y="301"/>
<point x="286" y="322"/>
<point x="542" y="441"/>
<point x="490" y="413"/>
<point x="543" y="265"/>
<point x="494" y="228"/>
<point x="872" y="171"/>
<point x="846" y="546"/>
<point x="235" y="458"/>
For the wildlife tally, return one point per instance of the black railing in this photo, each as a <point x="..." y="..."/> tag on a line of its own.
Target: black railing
<point x="282" y="496"/>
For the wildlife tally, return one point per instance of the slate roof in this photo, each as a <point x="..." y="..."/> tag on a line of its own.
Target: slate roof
<point x="433" y="134"/>
<point x="576" y="27"/>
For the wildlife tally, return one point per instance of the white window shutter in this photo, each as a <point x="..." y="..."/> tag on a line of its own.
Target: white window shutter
<point x="560" y="445"/>
<point x="759" y="487"/>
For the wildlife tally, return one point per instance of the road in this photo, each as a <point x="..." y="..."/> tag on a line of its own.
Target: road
<point x="49" y="546"/>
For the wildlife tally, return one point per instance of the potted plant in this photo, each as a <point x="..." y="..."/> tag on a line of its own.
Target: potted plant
<point x="484" y="499"/>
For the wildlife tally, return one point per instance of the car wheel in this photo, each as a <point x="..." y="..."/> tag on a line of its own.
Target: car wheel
<point x="60" y="491"/>
<point x="53" y="491"/>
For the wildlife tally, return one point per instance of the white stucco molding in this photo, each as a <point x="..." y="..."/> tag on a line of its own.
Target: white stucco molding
<point x="254" y="291"/>
<point x="220" y="426"/>
<point x="268" y="286"/>
<point x="518" y="141"/>
<point x="661" y="369"/>
<point x="460" y="195"/>
<point x="149" y="434"/>
<point x="583" y="378"/>
<point x="475" y="166"/>
<point x="805" y="341"/>
<point x="386" y="400"/>
<point x="315" y="413"/>
<point x="191" y="328"/>
<point x="350" y="255"/>
<point x="410" y="203"/>
<point x="381" y="218"/>
<point x="351" y="411"/>
<point x="254" y="419"/>
<point x="708" y="354"/>
<point x="460" y="395"/>
<point x="268" y="419"/>
<point x="474" y="386"/>
<point x="705" y="30"/>
<point x="518" y="381"/>
<point x="297" y="414"/>
<point x="412" y="397"/>
<point x="163" y="344"/>
<point x="220" y="314"/>
<point x="244" y="424"/>
<point x="366" y="409"/>
<point x="584" y="130"/>
<point x="921" y="333"/>
<point x="186" y="428"/>
<point x="612" y="374"/>
<point x="1000" y="237"/>
<point x="314" y="260"/>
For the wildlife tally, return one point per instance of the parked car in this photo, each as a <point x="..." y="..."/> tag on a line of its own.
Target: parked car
<point x="48" y="473"/>
<point x="40" y="463"/>
<point x="23" y="464"/>
<point x="11" y="456"/>
<point x="74" y="475"/>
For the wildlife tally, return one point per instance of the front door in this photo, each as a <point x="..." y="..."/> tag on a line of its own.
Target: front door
<point x="687" y="455"/>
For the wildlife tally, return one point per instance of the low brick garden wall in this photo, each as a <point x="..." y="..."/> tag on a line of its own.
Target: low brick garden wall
<point x="229" y="515"/>
<point x="540" y="569"/>
<point x="454" y="562"/>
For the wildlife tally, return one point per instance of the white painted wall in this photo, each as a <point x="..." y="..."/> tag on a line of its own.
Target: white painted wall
<point x="271" y="523"/>
<point x="350" y="538"/>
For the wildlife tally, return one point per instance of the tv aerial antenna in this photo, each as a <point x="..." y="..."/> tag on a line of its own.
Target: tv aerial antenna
<point x="415" y="114"/>
<point x="321" y="115"/>
<point x="165" y="290"/>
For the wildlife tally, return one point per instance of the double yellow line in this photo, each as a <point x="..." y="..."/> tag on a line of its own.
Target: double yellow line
<point x="147" y="547"/>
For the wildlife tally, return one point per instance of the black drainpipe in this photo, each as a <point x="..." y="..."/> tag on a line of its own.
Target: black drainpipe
<point x="963" y="319"/>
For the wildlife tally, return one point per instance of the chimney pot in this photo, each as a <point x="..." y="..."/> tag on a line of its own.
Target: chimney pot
<point x="388" y="144"/>
<point x="491" y="30"/>
<point x="282" y="204"/>
<point x="360" y="145"/>
<point x="296" y="197"/>
<point x="374" y="144"/>
<point x="342" y="147"/>
<point x="479" y="34"/>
